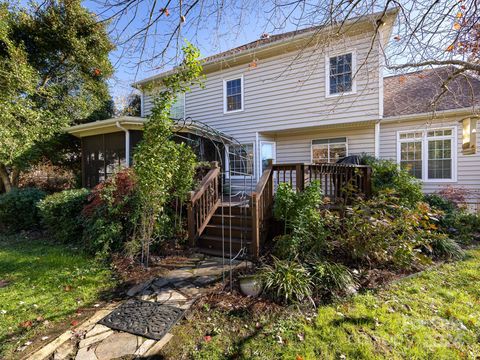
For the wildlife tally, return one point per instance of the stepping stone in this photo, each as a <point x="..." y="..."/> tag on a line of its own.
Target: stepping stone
<point x="170" y="296"/>
<point x="117" y="345"/>
<point x="205" y="280"/>
<point x="138" y="288"/>
<point x="188" y="289"/>
<point x="86" y="354"/>
<point x="97" y="329"/>
<point x="95" y="339"/>
<point x="160" y="283"/>
<point x="147" y="344"/>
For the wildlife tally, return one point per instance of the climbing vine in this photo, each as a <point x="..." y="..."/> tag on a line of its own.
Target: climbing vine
<point x="165" y="169"/>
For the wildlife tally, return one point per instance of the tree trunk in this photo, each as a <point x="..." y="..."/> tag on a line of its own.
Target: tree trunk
<point x="7" y="184"/>
<point x="15" y="177"/>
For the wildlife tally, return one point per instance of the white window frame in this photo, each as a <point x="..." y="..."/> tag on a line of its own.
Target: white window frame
<point x="327" y="73"/>
<point x="225" y="111"/>
<point x="311" y="147"/>
<point x="227" y="161"/>
<point x="424" y="139"/>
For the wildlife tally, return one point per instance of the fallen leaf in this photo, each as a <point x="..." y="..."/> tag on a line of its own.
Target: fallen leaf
<point x="67" y="288"/>
<point x="40" y="318"/>
<point x="301" y="337"/>
<point x="207" y="338"/>
<point x="74" y="323"/>
<point x="26" y="324"/>
<point x="299" y="357"/>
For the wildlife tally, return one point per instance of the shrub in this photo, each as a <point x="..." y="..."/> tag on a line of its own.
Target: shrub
<point x="445" y="248"/>
<point x="386" y="174"/>
<point x="61" y="214"/>
<point x="380" y="232"/>
<point x="441" y="203"/>
<point x="111" y="214"/>
<point x="286" y="281"/>
<point x="331" y="278"/>
<point x="455" y="219"/>
<point x="18" y="209"/>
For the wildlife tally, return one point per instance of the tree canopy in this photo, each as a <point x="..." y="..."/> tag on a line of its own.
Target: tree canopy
<point x="53" y="69"/>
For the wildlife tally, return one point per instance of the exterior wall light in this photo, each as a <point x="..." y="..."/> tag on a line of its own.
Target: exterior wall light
<point x="469" y="135"/>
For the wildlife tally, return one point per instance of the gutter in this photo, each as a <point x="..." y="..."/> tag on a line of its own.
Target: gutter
<point x="127" y="142"/>
<point x="431" y="115"/>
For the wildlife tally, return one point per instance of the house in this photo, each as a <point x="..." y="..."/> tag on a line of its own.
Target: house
<point x="315" y="96"/>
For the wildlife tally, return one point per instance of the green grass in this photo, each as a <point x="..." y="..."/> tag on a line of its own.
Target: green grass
<point x="47" y="281"/>
<point x="435" y="315"/>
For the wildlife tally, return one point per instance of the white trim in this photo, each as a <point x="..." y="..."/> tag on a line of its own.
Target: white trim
<point x="227" y="161"/>
<point x="430" y="115"/>
<point x="424" y="140"/>
<point x="242" y="92"/>
<point x="274" y="143"/>
<point x="311" y="146"/>
<point x="127" y="143"/>
<point x="377" y="139"/>
<point x="327" y="73"/>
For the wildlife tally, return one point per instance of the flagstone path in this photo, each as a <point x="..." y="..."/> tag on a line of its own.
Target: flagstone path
<point x="180" y="288"/>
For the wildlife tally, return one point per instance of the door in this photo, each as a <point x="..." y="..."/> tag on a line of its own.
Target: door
<point x="267" y="152"/>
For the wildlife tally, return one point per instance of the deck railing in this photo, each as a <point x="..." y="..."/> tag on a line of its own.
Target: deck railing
<point x="262" y="209"/>
<point x="203" y="202"/>
<point x="338" y="181"/>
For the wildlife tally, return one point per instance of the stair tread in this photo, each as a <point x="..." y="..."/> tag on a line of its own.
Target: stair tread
<point x="214" y="252"/>
<point x="231" y="216"/>
<point x="219" y="238"/>
<point x="228" y="227"/>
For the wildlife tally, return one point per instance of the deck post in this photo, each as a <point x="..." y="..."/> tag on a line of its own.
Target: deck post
<point x="367" y="181"/>
<point x="255" y="227"/>
<point x="191" y="220"/>
<point x="300" y="176"/>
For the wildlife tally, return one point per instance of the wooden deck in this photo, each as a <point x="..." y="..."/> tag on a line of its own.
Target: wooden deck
<point x="224" y="226"/>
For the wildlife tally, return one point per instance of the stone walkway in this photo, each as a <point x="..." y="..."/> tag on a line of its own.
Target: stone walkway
<point x="180" y="288"/>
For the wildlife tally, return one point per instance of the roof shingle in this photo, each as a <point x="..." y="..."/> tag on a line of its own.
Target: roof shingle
<point x="414" y="93"/>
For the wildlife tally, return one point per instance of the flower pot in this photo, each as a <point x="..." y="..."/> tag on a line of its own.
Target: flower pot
<point x="250" y="286"/>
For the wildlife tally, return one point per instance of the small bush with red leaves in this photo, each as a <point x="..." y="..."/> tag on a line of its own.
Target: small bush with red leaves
<point x="111" y="214"/>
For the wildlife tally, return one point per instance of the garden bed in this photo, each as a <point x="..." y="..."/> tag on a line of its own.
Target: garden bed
<point x="433" y="315"/>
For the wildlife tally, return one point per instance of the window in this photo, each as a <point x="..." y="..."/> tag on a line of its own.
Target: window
<point x="177" y="111"/>
<point x="329" y="150"/>
<point x="428" y="155"/>
<point x="339" y="70"/>
<point x="240" y="159"/>
<point x="411" y="153"/>
<point x="233" y="95"/>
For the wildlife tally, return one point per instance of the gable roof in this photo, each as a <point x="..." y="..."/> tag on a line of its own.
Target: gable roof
<point x="289" y="41"/>
<point x="414" y="93"/>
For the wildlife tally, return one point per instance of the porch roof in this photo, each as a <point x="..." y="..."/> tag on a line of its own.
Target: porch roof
<point x="136" y="123"/>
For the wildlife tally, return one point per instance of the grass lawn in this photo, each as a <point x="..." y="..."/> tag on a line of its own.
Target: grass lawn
<point x="435" y="315"/>
<point x="42" y="284"/>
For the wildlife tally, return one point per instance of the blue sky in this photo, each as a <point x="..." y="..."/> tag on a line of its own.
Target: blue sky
<point x="209" y="36"/>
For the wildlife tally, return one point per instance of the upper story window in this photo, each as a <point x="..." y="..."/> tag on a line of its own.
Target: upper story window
<point x="233" y="95"/>
<point x="340" y="74"/>
<point x="329" y="150"/>
<point x="177" y="111"/>
<point x="428" y="155"/>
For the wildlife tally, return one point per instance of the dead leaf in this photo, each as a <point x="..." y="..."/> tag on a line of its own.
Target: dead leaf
<point x="299" y="357"/>
<point x="74" y="323"/>
<point x="457" y="26"/>
<point x="459" y="15"/>
<point x="26" y="324"/>
<point x="67" y="288"/>
<point x="207" y="338"/>
<point x="449" y="48"/>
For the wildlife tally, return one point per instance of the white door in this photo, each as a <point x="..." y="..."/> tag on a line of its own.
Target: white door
<point x="267" y="152"/>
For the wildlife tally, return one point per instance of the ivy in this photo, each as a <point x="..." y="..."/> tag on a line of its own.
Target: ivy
<point x="165" y="169"/>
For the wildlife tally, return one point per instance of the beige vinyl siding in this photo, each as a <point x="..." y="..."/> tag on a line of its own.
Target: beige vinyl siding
<point x="468" y="169"/>
<point x="288" y="91"/>
<point x="297" y="147"/>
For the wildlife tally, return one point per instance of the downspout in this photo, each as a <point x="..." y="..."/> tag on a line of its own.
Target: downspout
<point x="127" y="143"/>
<point x="377" y="139"/>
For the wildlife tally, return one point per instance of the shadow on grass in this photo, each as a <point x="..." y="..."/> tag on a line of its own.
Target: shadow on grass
<point x="361" y="320"/>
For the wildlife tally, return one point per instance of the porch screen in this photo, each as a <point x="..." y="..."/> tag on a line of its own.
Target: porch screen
<point x="102" y="155"/>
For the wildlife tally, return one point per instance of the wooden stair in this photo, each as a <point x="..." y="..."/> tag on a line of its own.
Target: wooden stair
<point x="229" y="225"/>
